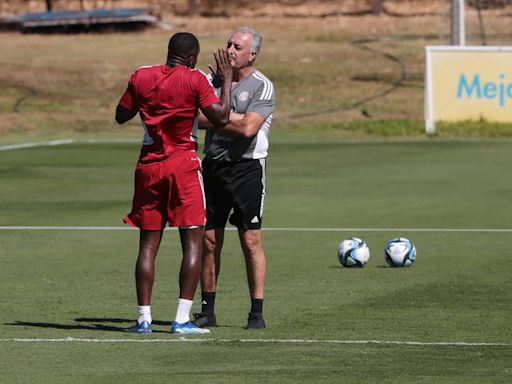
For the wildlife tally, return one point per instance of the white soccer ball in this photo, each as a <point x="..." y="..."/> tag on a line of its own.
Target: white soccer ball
<point x="353" y="252"/>
<point x="400" y="252"/>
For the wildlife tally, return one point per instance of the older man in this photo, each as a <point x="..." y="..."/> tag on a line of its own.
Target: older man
<point x="234" y="172"/>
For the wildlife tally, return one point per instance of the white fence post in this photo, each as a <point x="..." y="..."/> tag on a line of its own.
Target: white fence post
<point x="458" y="30"/>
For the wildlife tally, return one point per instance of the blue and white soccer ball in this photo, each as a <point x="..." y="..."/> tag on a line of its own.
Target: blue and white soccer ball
<point x="400" y="252"/>
<point x="353" y="252"/>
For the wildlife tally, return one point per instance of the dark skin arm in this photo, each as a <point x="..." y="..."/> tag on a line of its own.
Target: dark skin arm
<point x="123" y="114"/>
<point x="218" y="114"/>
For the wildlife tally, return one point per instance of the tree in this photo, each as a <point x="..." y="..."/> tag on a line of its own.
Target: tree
<point x="192" y="7"/>
<point x="377" y="6"/>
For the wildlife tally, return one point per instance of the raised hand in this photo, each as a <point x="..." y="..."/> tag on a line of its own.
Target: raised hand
<point x="224" y="70"/>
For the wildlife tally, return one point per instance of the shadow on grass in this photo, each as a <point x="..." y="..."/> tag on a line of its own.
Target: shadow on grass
<point x="130" y="322"/>
<point x="96" y="324"/>
<point x="117" y="321"/>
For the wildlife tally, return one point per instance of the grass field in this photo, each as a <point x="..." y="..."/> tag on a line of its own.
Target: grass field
<point x="67" y="296"/>
<point x="349" y="157"/>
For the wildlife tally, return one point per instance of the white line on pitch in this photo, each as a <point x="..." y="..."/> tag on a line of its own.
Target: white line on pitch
<point x="345" y="141"/>
<point x="469" y="230"/>
<point x="71" y="228"/>
<point x="290" y="229"/>
<point x="51" y="143"/>
<point x="258" y="341"/>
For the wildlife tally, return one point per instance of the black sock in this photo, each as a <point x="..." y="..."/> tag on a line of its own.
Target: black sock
<point x="257" y="305"/>
<point x="208" y="302"/>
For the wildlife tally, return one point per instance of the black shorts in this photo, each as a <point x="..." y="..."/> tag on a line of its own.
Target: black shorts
<point x="237" y="186"/>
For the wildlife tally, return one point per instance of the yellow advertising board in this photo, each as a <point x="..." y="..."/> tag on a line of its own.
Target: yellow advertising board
<point x="467" y="83"/>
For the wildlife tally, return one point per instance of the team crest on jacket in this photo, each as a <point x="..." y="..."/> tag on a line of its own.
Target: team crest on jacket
<point x="243" y="96"/>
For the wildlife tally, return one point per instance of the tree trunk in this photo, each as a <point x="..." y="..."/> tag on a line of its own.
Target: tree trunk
<point x="192" y="7"/>
<point x="377" y="6"/>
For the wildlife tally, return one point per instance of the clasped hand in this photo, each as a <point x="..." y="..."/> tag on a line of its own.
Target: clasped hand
<point x="224" y="71"/>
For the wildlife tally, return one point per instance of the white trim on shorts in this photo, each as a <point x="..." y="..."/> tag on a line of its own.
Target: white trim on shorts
<point x="263" y="164"/>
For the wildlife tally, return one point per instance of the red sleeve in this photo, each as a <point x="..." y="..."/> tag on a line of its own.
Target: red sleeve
<point x="206" y="92"/>
<point x="129" y="98"/>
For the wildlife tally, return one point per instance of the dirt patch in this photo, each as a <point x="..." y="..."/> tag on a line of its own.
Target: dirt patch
<point x="252" y="8"/>
<point x="230" y="8"/>
<point x="326" y="68"/>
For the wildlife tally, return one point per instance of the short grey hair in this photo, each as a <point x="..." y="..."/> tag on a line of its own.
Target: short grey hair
<point x="256" y="38"/>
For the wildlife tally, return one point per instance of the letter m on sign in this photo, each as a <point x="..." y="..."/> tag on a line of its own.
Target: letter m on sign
<point x="466" y="90"/>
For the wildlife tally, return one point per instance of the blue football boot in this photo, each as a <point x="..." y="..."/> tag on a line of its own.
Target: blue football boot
<point x="144" y="327"/>
<point x="187" y="328"/>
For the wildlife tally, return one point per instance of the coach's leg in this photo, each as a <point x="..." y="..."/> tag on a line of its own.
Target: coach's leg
<point x="212" y="247"/>
<point x="255" y="261"/>
<point x="213" y="241"/>
<point x="145" y="268"/>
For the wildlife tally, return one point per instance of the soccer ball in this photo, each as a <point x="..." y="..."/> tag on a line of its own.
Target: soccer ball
<point x="353" y="252"/>
<point x="400" y="252"/>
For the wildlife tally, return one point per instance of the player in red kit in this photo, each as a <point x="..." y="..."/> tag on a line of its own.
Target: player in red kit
<point x="168" y="182"/>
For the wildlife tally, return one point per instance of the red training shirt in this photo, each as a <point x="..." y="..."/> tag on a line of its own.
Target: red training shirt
<point x="167" y="99"/>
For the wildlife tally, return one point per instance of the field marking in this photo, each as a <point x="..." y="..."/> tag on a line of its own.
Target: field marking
<point x="275" y="229"/>
<point x="258" y="341"/>
<point x="53" y="143"/>
<point x="67" y="228"/>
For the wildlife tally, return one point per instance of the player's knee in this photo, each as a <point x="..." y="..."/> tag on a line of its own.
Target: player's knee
<point x="251" y="241"/>
<point x="211" y="245"/>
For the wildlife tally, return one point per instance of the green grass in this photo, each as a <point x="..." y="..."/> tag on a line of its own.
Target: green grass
<point x="337" y="162"/>
<point x="57" y="284"/>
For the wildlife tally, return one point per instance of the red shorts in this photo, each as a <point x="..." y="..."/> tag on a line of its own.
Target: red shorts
<point x="170" y="191"/>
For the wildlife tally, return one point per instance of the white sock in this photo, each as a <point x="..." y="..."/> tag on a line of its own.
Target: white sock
<point x="144" y="313"/>
<point x="183" y="311"/>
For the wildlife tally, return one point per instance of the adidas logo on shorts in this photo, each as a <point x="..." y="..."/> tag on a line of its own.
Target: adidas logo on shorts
<point x="255" y="220"/>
